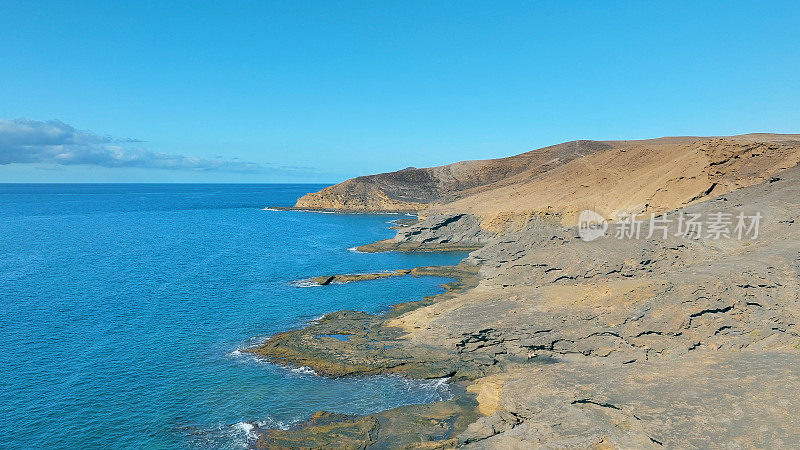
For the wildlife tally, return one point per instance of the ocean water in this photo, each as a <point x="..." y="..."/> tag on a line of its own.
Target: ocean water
<point x="123" y="307"/>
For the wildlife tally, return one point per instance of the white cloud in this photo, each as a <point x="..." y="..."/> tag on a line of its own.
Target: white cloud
<point x="24" y="141"/>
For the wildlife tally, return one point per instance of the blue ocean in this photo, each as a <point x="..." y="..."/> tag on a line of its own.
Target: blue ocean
<point x="123" y="308"/>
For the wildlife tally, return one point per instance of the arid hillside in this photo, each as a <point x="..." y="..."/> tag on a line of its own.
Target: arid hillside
<point x="635" y="177"/>
<point x="415" y="189"/>
<point x="610" y="177"/>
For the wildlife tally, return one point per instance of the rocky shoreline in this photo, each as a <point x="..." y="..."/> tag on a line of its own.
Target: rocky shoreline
<point x="647" y="340"/>
<point x="346" y="343"/>
<point x="351" y="343"/>
<point x="436" y="424"/>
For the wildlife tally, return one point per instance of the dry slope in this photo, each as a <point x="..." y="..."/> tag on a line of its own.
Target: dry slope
<point x="608" y="176"/>
<point x="414" y="189"/>
<point x="636" y="177"/>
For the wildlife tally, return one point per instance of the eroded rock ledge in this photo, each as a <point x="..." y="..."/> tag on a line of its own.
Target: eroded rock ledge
<point x="325" y="280"/>
<point x="433" y="425"/>
<point x="439" y="233"/>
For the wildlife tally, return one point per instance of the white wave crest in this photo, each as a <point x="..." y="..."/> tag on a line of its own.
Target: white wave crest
<point x="305" y="283"/>
<point x="304" y="370"/>
<point x="317" y="319"/>
<point x="246" y="427"/>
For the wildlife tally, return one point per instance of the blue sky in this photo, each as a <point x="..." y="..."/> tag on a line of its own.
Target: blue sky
<point x="322" y="91"/>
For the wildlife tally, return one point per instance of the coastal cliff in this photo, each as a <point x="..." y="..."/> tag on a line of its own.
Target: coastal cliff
<point x="658" y="340"/>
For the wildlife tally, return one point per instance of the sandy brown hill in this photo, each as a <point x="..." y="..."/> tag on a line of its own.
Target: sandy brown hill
<point x="608" y="176"/>
<point x="633" y="176"/>
<point x="415" y="189"/>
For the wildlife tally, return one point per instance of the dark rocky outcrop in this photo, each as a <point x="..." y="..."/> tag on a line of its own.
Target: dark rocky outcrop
<point x="434" y="425"/>
<point x="325" y="280"/>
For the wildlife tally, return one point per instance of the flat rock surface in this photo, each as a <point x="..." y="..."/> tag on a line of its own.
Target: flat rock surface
<point x="710" y="399"/>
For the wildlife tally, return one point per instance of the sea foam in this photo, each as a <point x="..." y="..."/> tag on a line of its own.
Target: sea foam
<point x="305" y="283"/>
